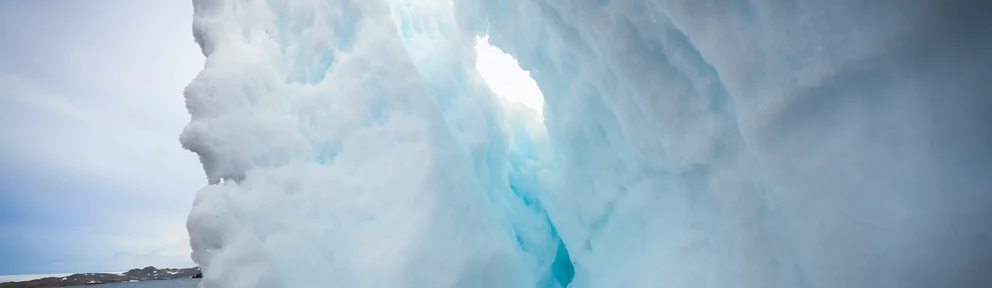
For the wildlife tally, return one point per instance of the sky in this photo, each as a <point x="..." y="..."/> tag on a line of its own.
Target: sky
<point x="503" y="75"/>
<point x="92" y="176"/>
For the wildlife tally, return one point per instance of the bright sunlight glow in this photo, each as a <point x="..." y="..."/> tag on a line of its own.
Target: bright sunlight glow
<point x="504" y="76"/>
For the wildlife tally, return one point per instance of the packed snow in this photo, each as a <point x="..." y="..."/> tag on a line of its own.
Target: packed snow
<point x="666" y="143"/>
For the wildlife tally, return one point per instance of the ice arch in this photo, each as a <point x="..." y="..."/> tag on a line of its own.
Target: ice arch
<point x="701" y="143"/>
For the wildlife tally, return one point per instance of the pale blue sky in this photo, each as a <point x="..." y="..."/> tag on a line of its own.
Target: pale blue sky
<point x="92" y="177"/>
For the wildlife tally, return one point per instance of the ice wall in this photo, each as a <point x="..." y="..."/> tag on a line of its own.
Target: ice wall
<point x="762" y="143"/>
<point x="353" y="144"/>
<point x="684" y="143"/>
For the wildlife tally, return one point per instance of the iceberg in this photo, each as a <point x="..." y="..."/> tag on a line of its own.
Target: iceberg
<point x="677" y="143"/>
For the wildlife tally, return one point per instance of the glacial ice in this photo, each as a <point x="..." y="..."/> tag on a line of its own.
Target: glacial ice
<point x="681" y="143"/>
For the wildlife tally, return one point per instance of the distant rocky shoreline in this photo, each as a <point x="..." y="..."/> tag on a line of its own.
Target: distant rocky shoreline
<point x="134" y="275"/>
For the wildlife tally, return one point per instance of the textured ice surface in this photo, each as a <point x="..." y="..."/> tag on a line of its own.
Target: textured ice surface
<point x="683" y="143"/>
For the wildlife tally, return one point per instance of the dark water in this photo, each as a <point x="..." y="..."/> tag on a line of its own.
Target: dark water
<point x="175" y="283"/>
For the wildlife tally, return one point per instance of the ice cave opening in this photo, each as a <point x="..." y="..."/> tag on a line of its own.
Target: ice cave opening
<point x="505" y="77"/>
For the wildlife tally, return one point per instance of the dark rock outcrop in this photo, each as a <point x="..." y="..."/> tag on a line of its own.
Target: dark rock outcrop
<point x="143" y="274"/>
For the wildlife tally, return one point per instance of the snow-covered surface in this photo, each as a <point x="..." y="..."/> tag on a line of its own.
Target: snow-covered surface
<point x="681" y="143"/>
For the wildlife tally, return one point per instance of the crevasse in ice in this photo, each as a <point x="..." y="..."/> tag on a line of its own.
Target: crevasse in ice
<point x="682" y="143"/>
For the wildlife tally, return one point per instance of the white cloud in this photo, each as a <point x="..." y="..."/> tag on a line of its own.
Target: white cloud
<point x="100" y="94"/>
